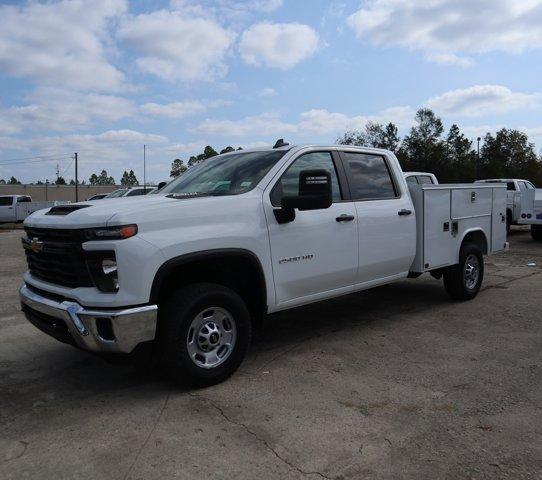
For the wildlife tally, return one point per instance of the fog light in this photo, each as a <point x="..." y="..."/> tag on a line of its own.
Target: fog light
<point x="103" y="270"/>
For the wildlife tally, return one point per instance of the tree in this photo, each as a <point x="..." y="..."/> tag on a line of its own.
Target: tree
<point x="13" y="181"/>
<point x="177" y="168"/>
<point x="374" y="135"/>
<point x="129" y="178"/>
<point x="208" y="152"/>
<point x="2" y="181"/>
<point x="508" y="154"/>
<point x="93" y="180"/>
<point x="227" y="150"/>
<point x="423" y="148"/>
<point x="72" y="182"/>
<point x="60" y="181"/>
<point x="460" y="158"/>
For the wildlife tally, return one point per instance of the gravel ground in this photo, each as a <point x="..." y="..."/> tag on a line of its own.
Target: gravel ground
<point x="396" y="382"/>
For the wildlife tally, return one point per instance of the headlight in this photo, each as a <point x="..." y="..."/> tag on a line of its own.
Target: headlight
<point x="111" y="233"/>
<point x="102" y="267"/>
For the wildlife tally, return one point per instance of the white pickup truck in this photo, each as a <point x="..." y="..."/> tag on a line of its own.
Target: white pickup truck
<point x="516" y="189"/>
<point x="188" y="272"/>
<point x="15" y="208"/>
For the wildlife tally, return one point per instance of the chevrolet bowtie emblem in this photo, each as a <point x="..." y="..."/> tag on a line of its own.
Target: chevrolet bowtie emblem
<point x="35" y="245"/>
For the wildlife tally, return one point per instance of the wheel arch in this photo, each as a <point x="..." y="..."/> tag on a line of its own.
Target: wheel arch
<point x="478" y="237"/>
<point x="215" y="265"/>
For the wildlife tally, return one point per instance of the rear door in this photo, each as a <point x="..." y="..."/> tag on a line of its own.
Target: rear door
<point x="386" y="220"/>
<point x="316" y="255"/>
<point x="7" y="209"/>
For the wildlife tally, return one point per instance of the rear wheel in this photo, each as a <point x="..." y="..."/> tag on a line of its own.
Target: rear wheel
<point x="204" y="334"/>
<point x="536" y="232"/>
<point x="463" y="281"/>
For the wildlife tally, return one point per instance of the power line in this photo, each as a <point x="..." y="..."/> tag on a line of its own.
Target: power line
<point x="37" y="157"/>
<point x="33" y="161"/>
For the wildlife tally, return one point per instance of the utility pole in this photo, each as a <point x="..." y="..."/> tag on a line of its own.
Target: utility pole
<point x="76" y="179"/>
<point x="46" y="184"/>
<point x="477" y="160"/>
<point x="144" y="169"/>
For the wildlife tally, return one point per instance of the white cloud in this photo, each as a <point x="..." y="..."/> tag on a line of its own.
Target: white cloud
<point x="182" y="109"/>
<point x="60" y="43"/>
<point x="449" y="59"/>
<point x="446" y="26"/>
<point x="310" y="122"/>
<point x="278" y="45"/>
<point x="480" y="100"/>
<point x="268" y="92"/>
<point x="54" y="109"/>
<point x="176" y="47"/>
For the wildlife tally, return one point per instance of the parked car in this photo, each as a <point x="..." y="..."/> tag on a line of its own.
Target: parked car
<point x="98" y="196"/>
<point x="15" y="208"/>
<point x="421" y="178"/>
<point x="130" y="192"/>
<point x="243" y="235"/>
<point x="515" y="189"/>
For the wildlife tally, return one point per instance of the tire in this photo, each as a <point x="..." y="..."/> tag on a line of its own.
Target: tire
<point x="459" y="282"/>
<point x="536" y="232"/>
<point x="508" y="222"/>
<point x="196" y="322"/>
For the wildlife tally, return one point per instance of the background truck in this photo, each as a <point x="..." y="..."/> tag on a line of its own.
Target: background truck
<point x="515" y="188"/>
<point x="15" y="208"/>
<point x="187" y="273"/>
<point x="421" y="178"/>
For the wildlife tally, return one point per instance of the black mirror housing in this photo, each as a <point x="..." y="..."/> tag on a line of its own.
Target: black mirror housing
<point x="314" y="194"/>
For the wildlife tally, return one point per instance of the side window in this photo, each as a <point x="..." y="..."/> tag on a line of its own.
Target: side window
<point x="510" y="186"/>
<point x="23" y="200"/>
<point x="289" y="182"/>
<point x="412" y="179"/>
<point x="6" y="201"/>
<point x="368" y="176"/>
<point x="425" y="179"/>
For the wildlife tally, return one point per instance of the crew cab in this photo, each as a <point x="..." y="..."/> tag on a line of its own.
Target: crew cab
<point x="515" y="188"/>
<point x="188" y="272"/>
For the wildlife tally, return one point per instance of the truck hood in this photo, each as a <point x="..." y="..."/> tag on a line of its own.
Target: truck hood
<point x="99" y="213"/>
<point x="142" y="211"/>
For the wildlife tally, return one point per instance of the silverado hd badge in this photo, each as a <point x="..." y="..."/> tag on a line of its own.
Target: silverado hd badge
<point x="310" y="256"/>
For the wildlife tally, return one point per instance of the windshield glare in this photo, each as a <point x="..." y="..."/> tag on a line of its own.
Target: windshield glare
<point x="116" y="193"/>
<point x="231" y="174"/>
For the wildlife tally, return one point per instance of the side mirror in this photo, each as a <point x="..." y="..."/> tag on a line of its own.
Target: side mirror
<point x="314" y="194"/>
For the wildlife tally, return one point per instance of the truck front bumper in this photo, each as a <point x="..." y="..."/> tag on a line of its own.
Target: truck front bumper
<point x="96" y="330"/>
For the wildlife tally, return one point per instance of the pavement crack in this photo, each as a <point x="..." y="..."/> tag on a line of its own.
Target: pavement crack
<point x="149" y="435"/>
<point x="263" y="441"/>
<point x="511" y="280"/>
<point x="20" y="454"/>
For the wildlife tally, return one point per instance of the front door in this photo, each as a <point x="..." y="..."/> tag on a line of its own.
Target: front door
<point x="7" y="209"/>
<point x="316" y="255"/>
<point x="386" y="219"/>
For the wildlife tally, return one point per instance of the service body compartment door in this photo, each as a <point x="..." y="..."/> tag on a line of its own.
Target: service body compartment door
<point x="498" y="219"/>
<point x="468" y="203"/>
<point x="440" y="246"/>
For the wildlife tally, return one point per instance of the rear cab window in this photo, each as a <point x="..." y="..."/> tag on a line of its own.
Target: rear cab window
<point x="369" y="176"/>
<point x="412" y="179"/>
<point x="425" y="180"/>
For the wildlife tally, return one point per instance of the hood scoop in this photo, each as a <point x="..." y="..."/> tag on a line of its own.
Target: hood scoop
<point x="65" y="209"/>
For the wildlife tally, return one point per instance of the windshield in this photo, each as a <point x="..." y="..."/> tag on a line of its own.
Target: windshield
<point x="231" y="174"/>
<point x="117" y="193"/>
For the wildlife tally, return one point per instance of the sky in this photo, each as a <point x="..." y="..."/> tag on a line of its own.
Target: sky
<point x="104" y="77"/>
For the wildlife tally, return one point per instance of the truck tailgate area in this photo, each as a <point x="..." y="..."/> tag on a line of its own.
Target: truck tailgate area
<point x="445" y="214"/>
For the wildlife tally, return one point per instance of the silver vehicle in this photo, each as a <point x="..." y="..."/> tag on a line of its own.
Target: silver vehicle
<point x="130" y="192"/>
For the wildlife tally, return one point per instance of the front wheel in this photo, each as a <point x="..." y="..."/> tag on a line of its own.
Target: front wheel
<point x="536" y="232"/>
<point x="463" y="281"/>
<point x="204" y="334"/>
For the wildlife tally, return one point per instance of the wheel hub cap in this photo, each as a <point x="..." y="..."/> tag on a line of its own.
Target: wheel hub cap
<point x="472" y="271"/>
<point x="211" y="337"/>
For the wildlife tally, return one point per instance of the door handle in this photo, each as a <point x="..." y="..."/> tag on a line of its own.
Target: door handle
<point x="345" y="218"/>
<point x="404" y="212"/>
